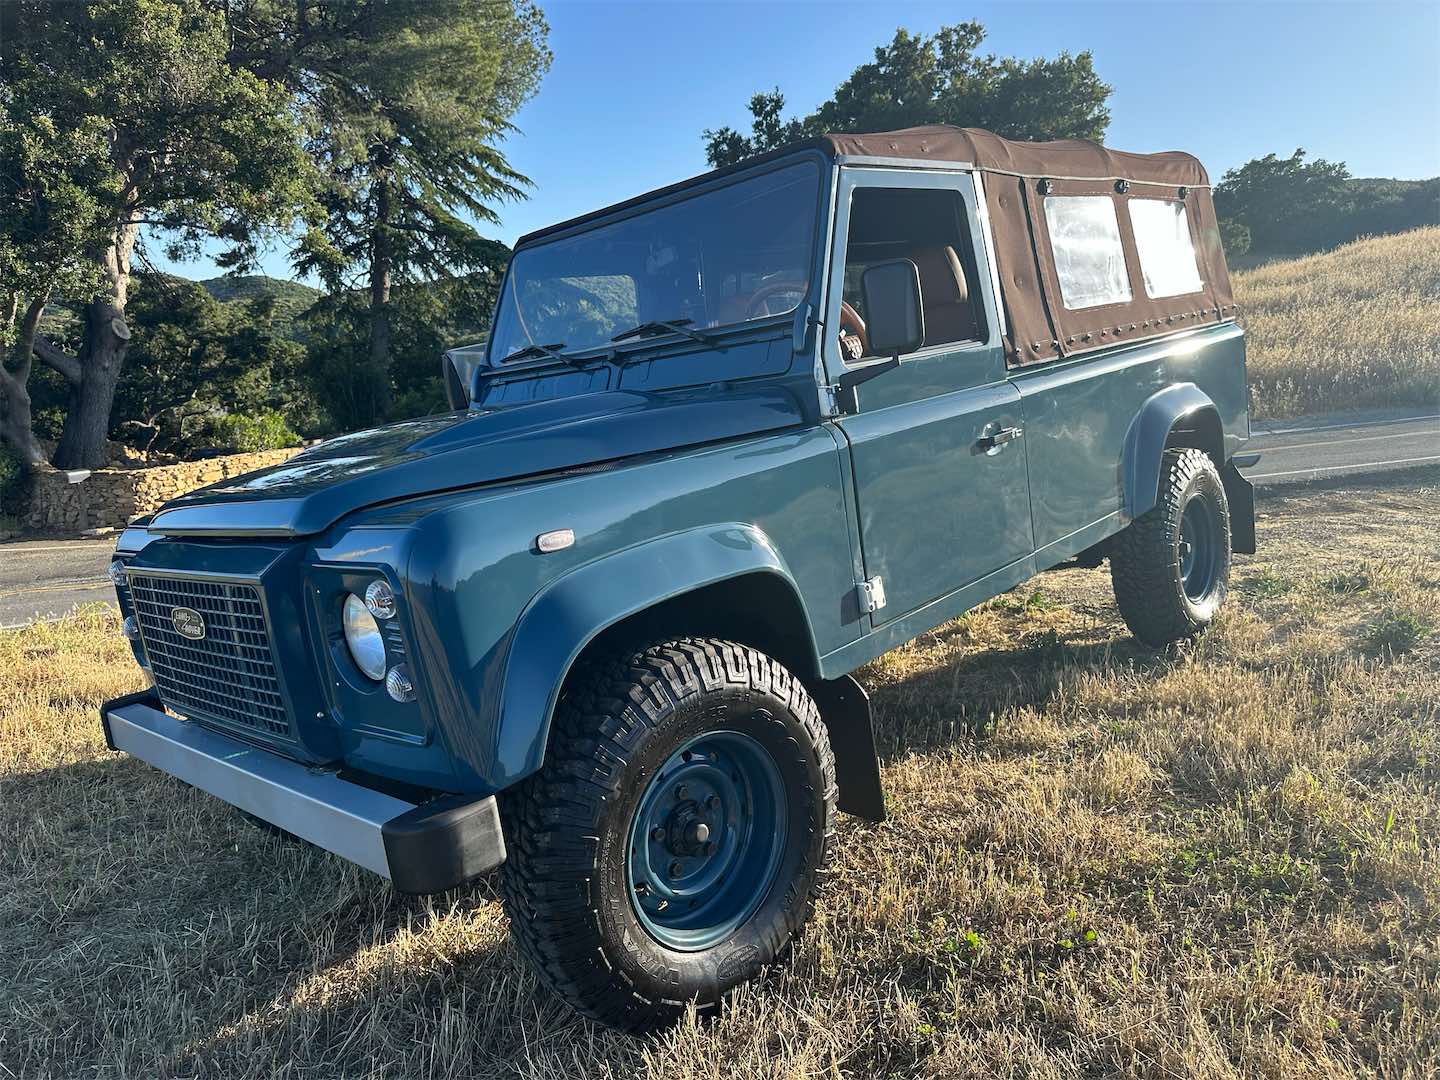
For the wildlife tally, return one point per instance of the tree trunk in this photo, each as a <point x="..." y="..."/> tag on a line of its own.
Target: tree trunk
<point x="17" y="427"/>
<point x="381" y="267"/>
<point x="87" y="421"/>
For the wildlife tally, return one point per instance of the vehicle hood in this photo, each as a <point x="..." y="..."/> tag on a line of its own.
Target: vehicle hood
<point x="464" y="449"/>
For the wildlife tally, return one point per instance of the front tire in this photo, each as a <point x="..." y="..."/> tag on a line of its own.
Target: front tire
<point x="671" y="847"/>
<point x="1171" y="566"/>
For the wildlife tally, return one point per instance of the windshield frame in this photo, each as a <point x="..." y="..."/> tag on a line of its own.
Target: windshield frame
<point x="669" y="196"/>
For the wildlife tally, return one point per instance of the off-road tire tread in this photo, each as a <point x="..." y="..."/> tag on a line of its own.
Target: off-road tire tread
<point x="551" y="819"/>
<point x="1141" y="557"/>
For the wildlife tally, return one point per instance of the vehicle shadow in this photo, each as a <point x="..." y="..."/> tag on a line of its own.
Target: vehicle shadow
<point x="961" y="699"/>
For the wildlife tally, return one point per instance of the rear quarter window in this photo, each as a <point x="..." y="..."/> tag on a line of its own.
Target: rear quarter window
<point x="1167" y="254"/>
<point x="1089" y="258"/>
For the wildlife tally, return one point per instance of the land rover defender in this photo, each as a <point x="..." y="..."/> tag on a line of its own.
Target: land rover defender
<point x="726" y="443"/>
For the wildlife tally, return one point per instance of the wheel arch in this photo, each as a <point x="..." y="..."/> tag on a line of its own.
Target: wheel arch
<point x="1179" y="415"/>
<point x="664" y="582"/>
<point x="705" y="583"/>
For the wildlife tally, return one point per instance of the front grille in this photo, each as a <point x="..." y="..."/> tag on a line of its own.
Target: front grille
<point x="227" y="676"/>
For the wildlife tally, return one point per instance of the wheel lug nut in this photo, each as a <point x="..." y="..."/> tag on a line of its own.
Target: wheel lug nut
<point x="681" y="791"/>
<point x="712" y="802"/>
<point x="676" y="868"/>
<point x="657" y="834"/>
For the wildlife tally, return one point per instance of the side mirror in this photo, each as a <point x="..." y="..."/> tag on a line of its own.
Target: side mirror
<point x="458" y="372"/>
<point x="894" y="320"/>
<point x="894" y="317"/>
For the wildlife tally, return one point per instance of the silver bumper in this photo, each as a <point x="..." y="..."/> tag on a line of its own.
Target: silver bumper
<point x="421" y="848"/>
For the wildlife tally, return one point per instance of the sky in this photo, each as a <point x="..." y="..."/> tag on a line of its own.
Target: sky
<point x="634" y="85"/>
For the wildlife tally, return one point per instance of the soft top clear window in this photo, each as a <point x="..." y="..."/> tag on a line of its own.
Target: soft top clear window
<point x="1089" y="259"/>
<point x="1167" y="254"/>
<point x="722" y="257"/>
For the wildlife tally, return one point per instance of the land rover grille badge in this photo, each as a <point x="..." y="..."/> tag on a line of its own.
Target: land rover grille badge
<point x="188" y="622"/>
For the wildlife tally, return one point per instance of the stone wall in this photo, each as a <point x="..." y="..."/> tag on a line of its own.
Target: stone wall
<point x="109" y="498"/>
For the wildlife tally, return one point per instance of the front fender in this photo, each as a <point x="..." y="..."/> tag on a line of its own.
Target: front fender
<point x="571" y="611"/>
<point x="1178" y="404"/>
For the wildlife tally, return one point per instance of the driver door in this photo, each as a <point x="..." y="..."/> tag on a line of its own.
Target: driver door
<point x="942" y="502"/>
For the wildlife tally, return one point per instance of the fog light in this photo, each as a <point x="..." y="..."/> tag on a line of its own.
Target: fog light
<point x="380" y="599"/>
<point x="399" y="685"/>
<point x="117" y="573"/>
<point x="131" y="628"/>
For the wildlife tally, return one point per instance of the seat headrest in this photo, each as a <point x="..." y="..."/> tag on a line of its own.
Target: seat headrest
<point x="942" y="277"/>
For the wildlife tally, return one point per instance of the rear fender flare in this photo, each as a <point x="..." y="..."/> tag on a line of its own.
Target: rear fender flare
<point x="573" y="610"/>
<point x="1149" y="433"/>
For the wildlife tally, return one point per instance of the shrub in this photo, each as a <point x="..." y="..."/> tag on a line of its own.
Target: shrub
<point x="250" y="434"/>
<point x="1395" y="632"/>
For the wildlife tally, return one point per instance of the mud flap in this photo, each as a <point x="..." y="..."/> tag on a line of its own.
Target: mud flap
<point x="1240" y="494"/>
<point x="845" y="708"/>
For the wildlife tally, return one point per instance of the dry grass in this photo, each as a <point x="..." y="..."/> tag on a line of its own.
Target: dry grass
<point x="1099" y="862"/>
<point x="1350" y="328"/>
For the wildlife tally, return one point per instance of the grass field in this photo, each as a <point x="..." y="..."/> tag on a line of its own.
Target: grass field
<point x="1347" y="329"/>
<point x="1100" y="862"/>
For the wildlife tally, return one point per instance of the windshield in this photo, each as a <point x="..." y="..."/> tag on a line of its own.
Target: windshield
<point x="729" y="255"/>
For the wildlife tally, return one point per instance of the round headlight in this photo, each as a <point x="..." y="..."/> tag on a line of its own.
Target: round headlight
<point x="380" y="599"/>
<point x="362" y="635"/>
<point x="117" y="573"/>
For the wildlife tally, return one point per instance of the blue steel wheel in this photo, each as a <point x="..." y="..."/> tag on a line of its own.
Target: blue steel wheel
<point x="1198" y="548"/>
<point x="633" y="898"/>
<point x="706" y="840"/>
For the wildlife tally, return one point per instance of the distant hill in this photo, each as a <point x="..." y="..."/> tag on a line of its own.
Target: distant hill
<point x="1355" y="327"/>
<point x="291" y="297"/>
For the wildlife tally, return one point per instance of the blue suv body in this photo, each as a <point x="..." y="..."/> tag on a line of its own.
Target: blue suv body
<point x="745" y="433"/>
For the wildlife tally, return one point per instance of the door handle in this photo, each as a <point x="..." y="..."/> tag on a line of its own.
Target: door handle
<point x="997" y="439"/>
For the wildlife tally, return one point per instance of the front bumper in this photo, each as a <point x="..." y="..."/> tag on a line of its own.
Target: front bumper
<point x="421" y="848"/>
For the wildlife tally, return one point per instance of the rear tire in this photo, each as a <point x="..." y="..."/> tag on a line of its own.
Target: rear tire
<point x="1171" y="566"/>
<point x="625" y="905"/>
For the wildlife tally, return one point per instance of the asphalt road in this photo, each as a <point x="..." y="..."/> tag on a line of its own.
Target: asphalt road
<point x="1298" y="450"/>
<point x="42" y="579"/>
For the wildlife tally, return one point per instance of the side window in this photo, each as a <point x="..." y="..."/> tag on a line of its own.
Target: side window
<point x="1085" y="241"/>
<point x="1167" y="254"/>
<point x="928" y="227"/>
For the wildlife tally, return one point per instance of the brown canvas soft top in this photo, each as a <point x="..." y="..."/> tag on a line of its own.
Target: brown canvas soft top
<point x="1077" y="159"/>
<point x="1018" y="177"/>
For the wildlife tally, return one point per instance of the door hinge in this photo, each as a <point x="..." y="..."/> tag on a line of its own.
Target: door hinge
<point x="870" y="595"/>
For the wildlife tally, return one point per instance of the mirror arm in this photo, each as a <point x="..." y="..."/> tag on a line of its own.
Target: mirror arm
<point x="845" y="395"/>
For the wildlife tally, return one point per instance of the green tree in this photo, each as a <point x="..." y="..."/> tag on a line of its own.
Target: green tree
<point x="407" y="101"/>
<point x="50" y="229"/>
<point x="426" y="318"/>
<point x="195" y="361"/>
<point x="196" y="146"/>
<point x="1288" y="204"/>
<point x="1234" y="237"/>
<point x="937" y="79"/>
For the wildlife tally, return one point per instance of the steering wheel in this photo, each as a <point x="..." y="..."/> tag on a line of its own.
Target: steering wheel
<point x="759" y="301"/>
<point x="852" y="323"/>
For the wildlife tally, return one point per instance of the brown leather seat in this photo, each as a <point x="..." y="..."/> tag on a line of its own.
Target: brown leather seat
<point x="949" y="315"/>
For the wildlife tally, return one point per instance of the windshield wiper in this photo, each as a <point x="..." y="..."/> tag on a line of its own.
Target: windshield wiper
<point x="549" y="351"/>
<point x="662" y="326"/>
